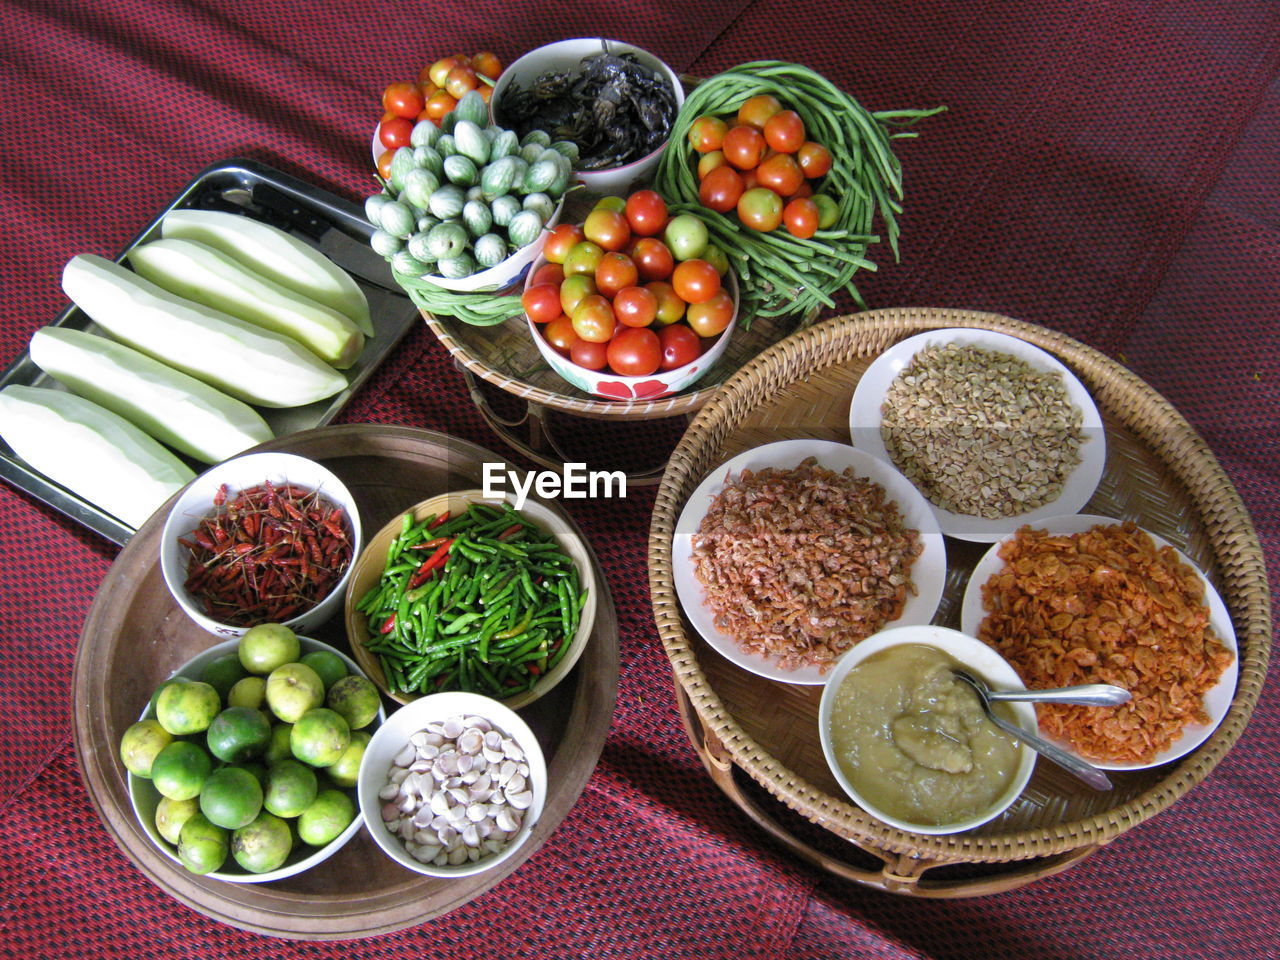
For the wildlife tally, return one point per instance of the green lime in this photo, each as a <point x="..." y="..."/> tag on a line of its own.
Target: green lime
<point x="292" y="690"/>
<point x="172" y="814"/>
<point x="291" y="788"/>
<point x="279" y="749"/>
<point x="326" y="818"/>
<point x="202" y="846"/>
<point x="180" y="770"/>
<point x="239" y="733"/>
<point x="222" y="673"/>
<point x="262" y="845"/>
<point x="346" y="770"/>
<point x="187" y="706"/>
<point x="249" y="692"/>
<point x="267" y="646"/>
<point x="140" y="745"/>
<point x="327" y="664"/>
<point x="356" y="698"/>
<point x="258" y="769"/>
<point x="155" y="694"/>
<point x="319" y="737"/>
<point x="231" y="797"/>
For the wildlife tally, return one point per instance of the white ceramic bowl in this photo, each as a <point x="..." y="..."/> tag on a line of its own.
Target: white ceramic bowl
<point x="1216" y="702"/>
<point x="393" y="736"/>
<point x="980" y="660"/>
<point x="238" y="473"/>
<point x="567" y="55"/>
<point x="613" y="386"/>
<point x="929" y="572"/>
<point x="145" y="797"/>
<point x="865" y="419"/>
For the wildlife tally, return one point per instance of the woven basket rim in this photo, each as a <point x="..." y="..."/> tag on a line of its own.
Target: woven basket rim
<point x="1127" y="397"/>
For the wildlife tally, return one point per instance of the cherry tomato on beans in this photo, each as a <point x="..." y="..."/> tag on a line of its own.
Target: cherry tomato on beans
<point x="695" y="281"/>
<point x="760" y="209"/>
<point x="593" y="319"/>
<point x="438" y="72"/>
<point x="593" y="356"/>
<point x="707" y="133"/>
<point x="541" y="302"/>
<point x="395" y="132"/>
<point x="653" y="259"/>
<point x="709" y="318"/>
<point x="384" y="164"/>
<point x="635" y="352"/>
<point x="402" y="99"/>
<point x="784" y="131"/>
<point x="549" y="273"/>
<point x="439" y="105"/>
<point x="615" y="271"/>
<point x="561" y="240"/>
<point x="635" y="306"/>
<point x="670" y="307"/>
<point x="756" y="111"/>
<point x="679" y="344"/>
<point x="801" y="217"/>
<point x="828" y="211"/>
<point x="744" y="147"/>
<point x="815" y="159"/>
<point x="559" y="333"/>
<point x="487" y="64"/>
<point x="646" y="213"/>
<point x="720" y="189"/>
<point x="709" y="161"/>
<point x="574" y="290"/>
<point x="608" y="228"/>
<point x="461" y="80"/>
<point x="583" y="257"/>
<point x="781" y="174"/>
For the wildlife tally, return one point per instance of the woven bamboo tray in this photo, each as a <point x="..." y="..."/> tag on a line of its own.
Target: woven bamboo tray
<point x="759" y="739"/>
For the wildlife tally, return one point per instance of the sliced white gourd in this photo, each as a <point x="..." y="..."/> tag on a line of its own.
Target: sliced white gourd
<point x="276" y="255"/>
<point x="198" y="272"/>
<point x="174" y="408"/>
<point x="91" y="451"/>
<point x="239" y="358"/>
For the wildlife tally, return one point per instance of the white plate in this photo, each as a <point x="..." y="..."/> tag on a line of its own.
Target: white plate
<point x="929" y="572"/>
<point x="865" y="419"/>
<point x="1216" y="702"/>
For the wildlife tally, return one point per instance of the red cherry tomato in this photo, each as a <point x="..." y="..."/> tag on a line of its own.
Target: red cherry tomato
<point x="384" y="164"/>
<point x="608" y="228"/>
<point x="487" y="64"/>
<point x="549" y="273"/>
<point x="709" y="318"/>
<point x="781" y="174"/>
<point x="635" y="306"/>
<point x="559" y="333"/>
<point x="756" y="111"/>
<point x="561" y="240"/>
<point x="574" y="290"/>
<point x="461" y="80"/>
<point x="680" y="345"/>
<point x="760" y="209"/>
<point x="749" y="180"/>
<point x="634" y="352"/>
<point x="805" y="190"/>
<point x="438" y="106"/>
<point x="695" y="281"/>
<point x="720" y="189"/>
<point x="593" y="356"/>
<point x="709" y="161"/>
<point x="402" y="99"/>
<point x="593" y="319"/>
<point x="615" y="271"/>
<point x="438" y="72"/>
<point x="670" y="307"/>
<point x="744" y="147"/>
<point x="815" y="159"/>
<point x="707" y="133"/>
<point x="801" y="217"/>
<point x="784" y="131"/>
<point x="541" y="302"/>
<point x="395" y="132"/>
<point x="646" y="213"/>
<point x="653" y="259"/>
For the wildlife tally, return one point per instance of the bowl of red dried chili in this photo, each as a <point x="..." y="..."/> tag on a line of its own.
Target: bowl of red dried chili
<point x="262" y="538"/>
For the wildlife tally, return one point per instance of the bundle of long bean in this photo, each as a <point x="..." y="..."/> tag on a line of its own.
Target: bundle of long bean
<point x="780" y="273"/>
<point x="478" y="309"/>
<point x="484" y="602"/>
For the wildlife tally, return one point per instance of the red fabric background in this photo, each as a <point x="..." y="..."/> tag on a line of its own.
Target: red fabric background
<point x="1107" y="169"/>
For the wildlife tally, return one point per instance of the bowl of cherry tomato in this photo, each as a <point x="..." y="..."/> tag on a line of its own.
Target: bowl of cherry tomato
<point x="631" y="304"/>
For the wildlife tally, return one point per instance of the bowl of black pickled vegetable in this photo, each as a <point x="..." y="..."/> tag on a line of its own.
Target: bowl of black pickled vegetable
<point x="614" y="100"/>
<point x="464" y="592"/>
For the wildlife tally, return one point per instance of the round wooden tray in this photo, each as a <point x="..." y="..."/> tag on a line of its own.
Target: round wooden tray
<point x="759" y="739"/>
<point x="136" y="635"/>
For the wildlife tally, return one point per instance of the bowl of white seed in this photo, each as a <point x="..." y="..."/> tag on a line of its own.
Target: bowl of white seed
<point x="452" y="784"/>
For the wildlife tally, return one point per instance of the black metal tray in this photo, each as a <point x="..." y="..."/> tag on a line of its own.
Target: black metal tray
<point x="331" y="224"/>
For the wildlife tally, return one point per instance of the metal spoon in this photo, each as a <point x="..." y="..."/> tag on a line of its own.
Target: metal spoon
<point x="1085" y="771"/>
<point x="1087" y="694"/>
